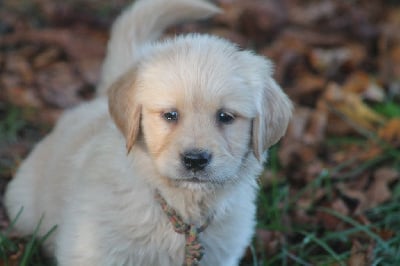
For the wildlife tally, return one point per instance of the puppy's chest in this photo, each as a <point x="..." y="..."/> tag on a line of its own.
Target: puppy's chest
<point x="147" y="238"/>
<point x="150" y="239"/>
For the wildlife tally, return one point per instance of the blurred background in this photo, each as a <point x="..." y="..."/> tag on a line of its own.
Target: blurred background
<point x="330" y="192"/>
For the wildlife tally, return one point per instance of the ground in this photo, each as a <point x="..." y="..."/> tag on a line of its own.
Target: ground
<point x="330" y="191"/>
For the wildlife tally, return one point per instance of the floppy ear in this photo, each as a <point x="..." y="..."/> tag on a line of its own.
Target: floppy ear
<point x="272" y="119"/>
<point x="274" y="109"/>
<point x="124" y="108"/>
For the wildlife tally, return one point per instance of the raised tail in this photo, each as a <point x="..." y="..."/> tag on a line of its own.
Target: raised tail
<point x="144" y="21"/>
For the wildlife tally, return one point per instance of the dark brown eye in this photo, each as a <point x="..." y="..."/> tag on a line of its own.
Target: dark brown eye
<point x="225" y="117"/>
<point x="171" y="116"/>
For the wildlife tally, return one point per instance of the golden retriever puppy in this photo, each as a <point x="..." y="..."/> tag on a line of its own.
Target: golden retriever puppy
<point x="163" y="170"/>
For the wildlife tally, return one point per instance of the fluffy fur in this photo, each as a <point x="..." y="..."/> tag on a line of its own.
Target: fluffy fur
<point x="95" y="174"/>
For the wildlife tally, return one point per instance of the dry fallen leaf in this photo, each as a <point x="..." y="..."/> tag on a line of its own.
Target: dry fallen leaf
<point x="260" y="19"/>
<point x="331" y="60"/>
<point x="59" y="85"/>
<point x="379" y="191"/>
<point x="357" y="197"/>
<point x="359" y="255"/>
<point x="269" y="241"/>
<point x="329" y="221"/>
<point x="22" y="96"/>
<point x="47" y="57"/>
<point x="351" y="107"/>
<point x="311" y="43"/>
<point x="362" y="84"/>
<point x="390" y="132"/>
<point x="19" y="65"/>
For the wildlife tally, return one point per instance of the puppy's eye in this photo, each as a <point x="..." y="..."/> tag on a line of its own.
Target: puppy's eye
<point x="171" y="116"/>
<point x="225" y="117"/>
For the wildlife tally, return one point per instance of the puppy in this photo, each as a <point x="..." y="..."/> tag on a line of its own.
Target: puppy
<point x="163" y="170"/>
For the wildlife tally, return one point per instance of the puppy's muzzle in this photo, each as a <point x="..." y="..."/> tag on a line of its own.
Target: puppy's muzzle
<point x="196" y="160"/>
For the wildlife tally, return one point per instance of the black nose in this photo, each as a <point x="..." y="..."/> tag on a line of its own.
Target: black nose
<point x="196" y="160"/>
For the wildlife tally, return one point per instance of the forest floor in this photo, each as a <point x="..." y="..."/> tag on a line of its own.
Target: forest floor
<point x="330" y="193"/>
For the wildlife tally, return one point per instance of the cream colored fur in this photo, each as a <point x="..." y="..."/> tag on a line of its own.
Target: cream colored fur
<point x="95" y="174"/>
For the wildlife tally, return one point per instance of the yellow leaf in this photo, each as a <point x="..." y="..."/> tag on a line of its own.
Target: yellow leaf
<point x="351" y="106"/>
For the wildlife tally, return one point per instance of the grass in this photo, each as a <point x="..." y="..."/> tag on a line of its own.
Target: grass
<point x="17" y="133"/>
<point x="315" y="247"/>
<point x="24" y="251"/>
<point x="14" y="126"/>
<point x="389" y="109"/>
<point x="20" y="124"/>
<point x="11" y="123"/>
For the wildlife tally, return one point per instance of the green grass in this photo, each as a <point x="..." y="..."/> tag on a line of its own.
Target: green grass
<point x="24" y="251"/>
<point x="316" y="247"/>
<point x="388" y="108"/>
<point x="18" y="133"/>
<point x="20" y="123"/>
<point x="11" y="123"/>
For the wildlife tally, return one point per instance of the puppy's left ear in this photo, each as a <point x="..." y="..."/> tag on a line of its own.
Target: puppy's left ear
<point x="124" y="108"/>
<point x="274" y="109"/>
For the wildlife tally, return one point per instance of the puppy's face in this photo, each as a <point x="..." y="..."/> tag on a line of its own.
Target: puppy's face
<point x="196" y="122"/>
<point x="201" y="106"/>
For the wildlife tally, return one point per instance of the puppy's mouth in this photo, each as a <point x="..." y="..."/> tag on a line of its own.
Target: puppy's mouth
<point x="195" y="180"/>
<point x="199" y="181"/>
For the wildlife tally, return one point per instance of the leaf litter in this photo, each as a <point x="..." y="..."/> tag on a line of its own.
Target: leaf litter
<point x="339" y="61"/>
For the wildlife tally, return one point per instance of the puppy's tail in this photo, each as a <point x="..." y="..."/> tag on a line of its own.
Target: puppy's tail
<point x="144" y="22"/>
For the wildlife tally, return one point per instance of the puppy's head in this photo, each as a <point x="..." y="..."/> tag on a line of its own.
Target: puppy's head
<point x="205" y="109"/>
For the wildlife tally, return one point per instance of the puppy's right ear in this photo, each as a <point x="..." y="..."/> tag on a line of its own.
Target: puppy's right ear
<point x="124" y="108"/>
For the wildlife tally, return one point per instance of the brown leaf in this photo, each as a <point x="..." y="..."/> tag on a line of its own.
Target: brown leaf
<point x="46" y="57"/>
<point x="23" y="97"/>
<point x="385" y="234"/>
<point x="14" y="259"/>
<point x="379" y="192"/>
<point x="362" y="84"/>
<point x="386" y="174"/>
<point x="329" y="221"/>
<point x="261" y="19"/>
<point x="389" y="43"/>
<point x="307" y="87"/>
<point x="357" y="82"/>
<point x="15" y="63"/>
<point x="316" y="38"/>
<point x="357" y="196"/>
<point x="390" y="132"/>
<point x="269" y="241"/>
<point x="77" y="42"/>
<point x="288" y="53"/>
<point x="330" y="60"/>
<point x="359" y="255"/>
<point x="233" y="36"/>
<point x="59" y="85"/>
<point x="311" y="13"/>
<point x="232" y="10"/>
